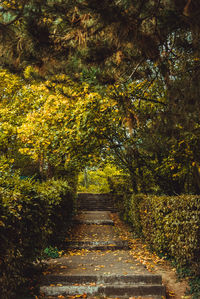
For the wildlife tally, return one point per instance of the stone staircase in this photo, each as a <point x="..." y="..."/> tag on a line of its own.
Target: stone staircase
<point x="95" y="202"/>
<point x="98" y="262"/>
<point x="97" y="232"/>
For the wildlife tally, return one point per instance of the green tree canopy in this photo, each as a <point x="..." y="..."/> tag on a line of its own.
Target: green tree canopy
<point x="117" y="39"/>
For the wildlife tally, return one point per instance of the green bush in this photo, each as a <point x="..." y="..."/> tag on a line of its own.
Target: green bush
<point x="97" y="179"/>
<point x="169" y="224"/>
<point x="152" y="212"/>
<point x="120" y="191"/>
<point x="133" y="213"/>
<point x="31" y="215"/>
<point x="119" y="184"/>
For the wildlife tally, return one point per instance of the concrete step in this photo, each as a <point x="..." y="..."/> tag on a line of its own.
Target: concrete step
<point x="93" y="202"/>
<point x="86" y="208"/>
<point x="96" y="208"/>
<point x="97" y="273"/>
<point x="108" y="290"/>
<point x="94" y="196"/>
<point x="94" y="217"/>
<point x="95" y="236"/>
<point x="97" y="261"/>
<point x="90" y="222"/>
<point x="98" y="245"/>
<point x="113" y="279"/>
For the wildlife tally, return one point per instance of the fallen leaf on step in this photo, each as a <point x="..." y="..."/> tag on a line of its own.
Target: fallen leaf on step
<point x="81" y="296"/>
<point x="171" y="293"/>
<point x="61" y="297"/>
<point x="46" y="273"/>
<point x="92" y="284"/>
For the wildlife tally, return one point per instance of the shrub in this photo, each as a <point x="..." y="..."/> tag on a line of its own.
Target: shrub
<point x="169" y="224"/>
<point x="172" y="224"/>
<point x="31" y="214"/>
<point x="97" y="179"/>
<point x="119" y="184"/>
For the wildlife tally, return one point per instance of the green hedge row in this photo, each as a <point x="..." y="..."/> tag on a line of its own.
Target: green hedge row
<point x="31" y="215"/>
<point x="169" y="224"/>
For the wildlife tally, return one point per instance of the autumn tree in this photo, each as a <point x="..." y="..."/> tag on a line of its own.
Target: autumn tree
<point x="117" y="42"/>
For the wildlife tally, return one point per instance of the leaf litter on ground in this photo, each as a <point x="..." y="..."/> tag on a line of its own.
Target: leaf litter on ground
<point x="153" y="263"/>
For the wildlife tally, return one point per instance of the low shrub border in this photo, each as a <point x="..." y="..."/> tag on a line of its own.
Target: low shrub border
<point x="31" y="216"/>
<point x="169" y="224"/>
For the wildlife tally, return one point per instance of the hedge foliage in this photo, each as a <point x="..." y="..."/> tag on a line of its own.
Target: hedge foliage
<point x="31" y="215"/>
<point x="169" y="224"/>
<point x="119" y="184"/>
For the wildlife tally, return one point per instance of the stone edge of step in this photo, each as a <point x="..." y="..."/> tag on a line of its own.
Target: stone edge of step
<point x="107" y="290"/>
<point x="112" y="245"/>
<point x="97" y="222"/>
<point x="104" y="279"/>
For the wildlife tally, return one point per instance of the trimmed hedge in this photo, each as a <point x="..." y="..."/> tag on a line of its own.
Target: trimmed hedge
<point x="169" y="224"/>
<point x="172" y="225"/>
<point x="31" y="215"/>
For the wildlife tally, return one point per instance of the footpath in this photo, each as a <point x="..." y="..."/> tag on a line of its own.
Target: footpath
<point x="98" y="261"/>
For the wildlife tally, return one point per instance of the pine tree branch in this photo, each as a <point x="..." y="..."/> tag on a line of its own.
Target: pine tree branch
<point x="19" y="15"/>
<point x="150" y="100"/>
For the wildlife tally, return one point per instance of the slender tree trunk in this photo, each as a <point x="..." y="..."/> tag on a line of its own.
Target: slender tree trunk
<point x="85" y="177"/>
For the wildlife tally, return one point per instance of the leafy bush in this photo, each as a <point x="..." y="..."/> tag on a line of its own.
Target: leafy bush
<point x="120" y="191"/>
<point x="97" y="179"/>
<point x="132" y="213"/>
<point x="169" y="224"/>
<point x="119" y="184"/>
<point x="31" y="214"/>
<point x="51" y="252"/>
<point x="194" y="284"/>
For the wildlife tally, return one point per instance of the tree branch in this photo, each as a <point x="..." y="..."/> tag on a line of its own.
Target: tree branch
<point x="16" y="18"/>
